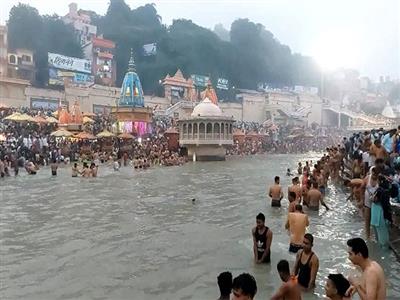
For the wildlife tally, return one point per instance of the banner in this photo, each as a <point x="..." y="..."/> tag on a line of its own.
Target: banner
<point x="58" y="77"/>
<point x="46" y="104"/>
<point x="59" y="61"/>
<point x="222" y="84"/>
<point x="150" y="49"/>
<point x="200" y="80"/>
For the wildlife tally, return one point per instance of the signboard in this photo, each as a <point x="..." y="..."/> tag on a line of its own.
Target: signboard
<point x="222" y="84"/>
<point x="200" y="80"/>
<point x="46" y="104"/>
<point x="150" y="49"/>
<point x="58" y="77"/>
<point x="59" y="61"/>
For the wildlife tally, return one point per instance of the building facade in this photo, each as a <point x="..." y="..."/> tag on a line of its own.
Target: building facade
<point x="104" y="67"/>
<point x="81" y="22"/>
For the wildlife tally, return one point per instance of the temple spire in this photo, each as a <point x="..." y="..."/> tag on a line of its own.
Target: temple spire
<point x="131" y="64"/>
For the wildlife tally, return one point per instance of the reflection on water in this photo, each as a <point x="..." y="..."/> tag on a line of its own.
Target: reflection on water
<point x="128" y="235"/>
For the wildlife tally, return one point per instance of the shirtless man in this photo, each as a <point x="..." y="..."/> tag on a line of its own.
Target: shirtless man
<point x="289" y="290"/>
<point x="292" y="202"/>
<point x="372" y="285"/>
<point x="336" y="287"/>
<point x="356" y="185"/>
<point x="304" y="191"/>
<point x="86" y="172"/>
<point x="93" y="169"/>
<point x="377" y="150"/>
<point x="295" y="187"/>
<point x="276" y="194"/>
<point x="296" y="224"/>
<point x="75" y="170"/>
<point x="314" y="198"/>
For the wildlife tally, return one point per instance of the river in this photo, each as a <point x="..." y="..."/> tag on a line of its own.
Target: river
<point x="139" y="235"/>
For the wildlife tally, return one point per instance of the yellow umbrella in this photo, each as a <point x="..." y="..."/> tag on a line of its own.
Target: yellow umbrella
<point x="51" y="120"/>
<point x="62" y="133"/>
<point x="27" y="118"/>
<point x="105" y="134"/>
<point x="14" y="117"/>
<point x="126" y="136"/>
<point x="87" y="120"/>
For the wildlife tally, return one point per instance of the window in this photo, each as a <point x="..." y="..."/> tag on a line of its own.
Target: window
<point x="26" y="58"/>
<point x="13" y="59"/>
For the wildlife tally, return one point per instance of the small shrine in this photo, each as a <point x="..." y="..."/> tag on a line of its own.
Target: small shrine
<point x="70" y="120"/>
<point x="206" y="133"/>
<point x="130" y="113"/>
<point x="178" y="88"/>
<point x="210" y="93"/>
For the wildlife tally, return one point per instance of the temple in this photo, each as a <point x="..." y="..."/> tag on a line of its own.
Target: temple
<point x="131" y="90"/>
<point x="130" y="113"/>
<point x="178" y="88"/>
<point x="210" y="93"/>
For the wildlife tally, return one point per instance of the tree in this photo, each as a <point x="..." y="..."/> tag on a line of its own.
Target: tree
<point x="29" y="30"/>
<point x="222" y="32"/>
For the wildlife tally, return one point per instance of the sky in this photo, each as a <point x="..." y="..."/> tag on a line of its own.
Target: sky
<point x="360" y="34"/>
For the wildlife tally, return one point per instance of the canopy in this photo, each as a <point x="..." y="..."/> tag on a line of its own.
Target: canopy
<point x="40" y="120"/>
<point x="105" y="134"/>
<point x="62" y="133"/>
<point x="85" y="136"/>
<point x="17" y="117"/>
<point x="89" y="114"/>
<point x="87" y="120"/>
<point x="126" y="136"/>
<point x="51" y="120"/>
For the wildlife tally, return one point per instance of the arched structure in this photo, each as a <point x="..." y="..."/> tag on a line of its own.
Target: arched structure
<point x="206" y="132"/>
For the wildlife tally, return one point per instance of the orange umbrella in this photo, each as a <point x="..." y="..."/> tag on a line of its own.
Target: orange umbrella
<point x="40" y="120"/>
<point x="126" y="136"/>
<point x="85" y="136"/>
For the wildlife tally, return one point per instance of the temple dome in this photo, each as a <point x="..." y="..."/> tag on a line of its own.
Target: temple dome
<point x="206" y="109"/>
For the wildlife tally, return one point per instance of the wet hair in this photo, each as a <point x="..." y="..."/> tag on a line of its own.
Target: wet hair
<point x="315" y="184"/>
<point x="346" y="182"/>
<point x="283" y="266"/>
<point x="309" y="237"/>
<point x="261" y="217"/>
<point x="299" y="207"/>
<point x="358" y="245"/>
<point x="75" y="165"/>
<point x="277" y="178"/>
<point x="292" y="195"/>
<point x="246" y="283"/>
<point x="225" y="283"/>
<point x="340" y="282"/>
<point x="379" y="161"/>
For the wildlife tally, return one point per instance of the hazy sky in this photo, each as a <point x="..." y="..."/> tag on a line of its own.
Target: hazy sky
<point x="364" y="34"/>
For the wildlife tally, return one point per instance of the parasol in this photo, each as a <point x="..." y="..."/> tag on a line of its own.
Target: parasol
<point x="61" y="133"/>
<point x="126" y="136"/>
<point x="40" y="120"/>
<point x="85" y="136"/>
<point x="88" y="114"/>
<point x="105" y="134"/>
<point x="87" y="120"/>
<point x="51" y="120"/>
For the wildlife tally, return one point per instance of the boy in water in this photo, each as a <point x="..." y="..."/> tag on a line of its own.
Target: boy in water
<point x="289" y="288"/>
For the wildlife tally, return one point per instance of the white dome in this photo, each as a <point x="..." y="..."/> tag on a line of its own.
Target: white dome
<point x="206" y="109"/>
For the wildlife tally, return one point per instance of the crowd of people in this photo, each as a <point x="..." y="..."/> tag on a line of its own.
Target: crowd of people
<point x="372" y="161"/>
<point x="29" y="145"/>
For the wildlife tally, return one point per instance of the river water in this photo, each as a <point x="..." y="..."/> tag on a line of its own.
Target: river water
<point x="138" y="235"/>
